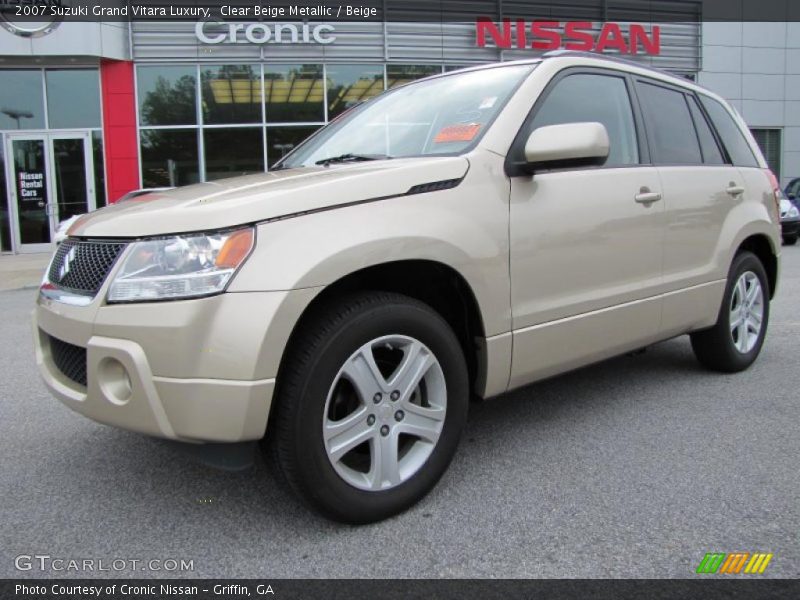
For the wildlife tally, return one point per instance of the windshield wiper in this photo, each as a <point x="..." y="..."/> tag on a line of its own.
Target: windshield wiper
<point x="350" y="157"/>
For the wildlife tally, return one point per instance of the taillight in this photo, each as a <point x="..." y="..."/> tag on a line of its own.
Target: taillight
<point x="776" y="189"/>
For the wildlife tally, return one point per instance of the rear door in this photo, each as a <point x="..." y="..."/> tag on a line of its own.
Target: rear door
<point x="700" y="188"/>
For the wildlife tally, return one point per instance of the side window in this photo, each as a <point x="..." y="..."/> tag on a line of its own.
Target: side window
<point x="673" y="139"/>
<point x="584" y="98"/>
<point x="732" y="137"/>
<point x="793" y="189"/>
<point x="708" y="144"/>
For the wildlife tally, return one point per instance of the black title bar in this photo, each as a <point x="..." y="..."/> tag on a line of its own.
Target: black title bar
<point x="400" y="10"/>
<point x="343" y="589"/>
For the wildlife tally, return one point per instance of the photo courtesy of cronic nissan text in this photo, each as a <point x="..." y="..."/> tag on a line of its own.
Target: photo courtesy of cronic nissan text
<point x="470" y="299"/>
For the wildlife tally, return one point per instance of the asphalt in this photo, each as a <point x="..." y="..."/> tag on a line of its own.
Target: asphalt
<point x="635" y="467"/>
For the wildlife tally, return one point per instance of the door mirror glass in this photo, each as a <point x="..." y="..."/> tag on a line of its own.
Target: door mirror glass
<point x="567" y="144"/>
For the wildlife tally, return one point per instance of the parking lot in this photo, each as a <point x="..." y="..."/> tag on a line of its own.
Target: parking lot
<point x="635" y="467"/>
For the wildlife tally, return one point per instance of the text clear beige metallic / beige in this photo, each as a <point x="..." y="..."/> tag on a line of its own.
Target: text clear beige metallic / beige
<point x="484" y="219"/>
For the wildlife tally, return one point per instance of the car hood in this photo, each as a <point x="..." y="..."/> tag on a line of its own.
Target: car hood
<point x="254" y="198"/>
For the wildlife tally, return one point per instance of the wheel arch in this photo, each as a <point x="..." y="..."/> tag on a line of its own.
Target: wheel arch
<point x="761" y="245"/>
<point x="436" y="284"/>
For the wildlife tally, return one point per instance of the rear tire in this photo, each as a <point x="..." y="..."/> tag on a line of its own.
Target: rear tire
<point x="734" y="343"/>
<point x="371" y="403"/>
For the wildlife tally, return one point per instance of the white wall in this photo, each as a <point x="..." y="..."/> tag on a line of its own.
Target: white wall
<point x="756" y="66"/>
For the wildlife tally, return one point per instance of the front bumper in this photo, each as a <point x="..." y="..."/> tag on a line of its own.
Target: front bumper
<point x="193" y="370"/>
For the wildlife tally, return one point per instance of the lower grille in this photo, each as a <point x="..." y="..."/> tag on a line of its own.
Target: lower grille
<point x="70" y="360"/>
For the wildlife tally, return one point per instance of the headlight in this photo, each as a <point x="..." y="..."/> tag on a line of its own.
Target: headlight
<point x="793" y="212"/>
<point x="182" y="266"/>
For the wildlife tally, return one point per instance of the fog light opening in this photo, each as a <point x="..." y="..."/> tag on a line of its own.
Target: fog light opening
<point x="114" y="380"/>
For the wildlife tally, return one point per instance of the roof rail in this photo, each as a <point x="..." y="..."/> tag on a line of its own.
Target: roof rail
<point x="608" y="57"/>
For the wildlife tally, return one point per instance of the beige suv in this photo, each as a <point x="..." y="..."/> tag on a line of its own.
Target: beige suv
<point x="459" y="236"/>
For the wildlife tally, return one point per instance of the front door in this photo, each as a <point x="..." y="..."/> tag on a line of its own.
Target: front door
<point x="51" y="179"/>
<point x="586" y="243"/>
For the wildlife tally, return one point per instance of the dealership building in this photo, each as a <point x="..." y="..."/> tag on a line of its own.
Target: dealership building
<point x="90" y="111"/>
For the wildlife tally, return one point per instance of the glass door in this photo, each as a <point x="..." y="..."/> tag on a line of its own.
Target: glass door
<point x="30" y="187"/>
<point x="52" y="179"/>
<point x="73" y="177"/>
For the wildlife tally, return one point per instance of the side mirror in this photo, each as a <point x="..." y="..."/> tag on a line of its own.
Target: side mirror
<point x="571" y="143"/>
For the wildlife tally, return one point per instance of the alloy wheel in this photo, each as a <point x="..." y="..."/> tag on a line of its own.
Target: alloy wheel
<point x="384" y="413"/>
<point x="746" y="312"/>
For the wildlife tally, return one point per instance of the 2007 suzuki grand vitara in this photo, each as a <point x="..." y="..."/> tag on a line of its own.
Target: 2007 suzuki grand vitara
<point x="465" y="234"/>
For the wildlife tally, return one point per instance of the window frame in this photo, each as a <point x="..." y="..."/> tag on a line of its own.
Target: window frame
<point x="726" y="159"/>
<point x="639" y="80"/>
<point x="515" y="164"/>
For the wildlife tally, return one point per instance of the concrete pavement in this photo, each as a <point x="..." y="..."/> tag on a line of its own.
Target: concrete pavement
<point x="20" y="271"/>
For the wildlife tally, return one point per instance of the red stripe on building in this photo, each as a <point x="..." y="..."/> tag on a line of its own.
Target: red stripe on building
<point x="119" y="128"/>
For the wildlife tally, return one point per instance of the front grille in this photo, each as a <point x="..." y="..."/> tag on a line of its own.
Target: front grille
<point x="70" y="360"/>
<point x="82" y="267"/>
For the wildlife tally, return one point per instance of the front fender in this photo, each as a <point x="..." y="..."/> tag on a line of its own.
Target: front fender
<point x="464" y="228"/>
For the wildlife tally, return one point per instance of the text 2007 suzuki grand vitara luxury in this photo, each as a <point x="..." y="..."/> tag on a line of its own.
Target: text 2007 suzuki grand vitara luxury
<point x="465" y="234"/>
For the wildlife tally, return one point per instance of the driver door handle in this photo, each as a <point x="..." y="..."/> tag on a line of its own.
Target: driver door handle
<point x="735" y="190"/>
<point x="645" y="196"/>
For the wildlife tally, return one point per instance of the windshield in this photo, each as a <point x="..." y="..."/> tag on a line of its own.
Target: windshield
<point x="445" y="115"/>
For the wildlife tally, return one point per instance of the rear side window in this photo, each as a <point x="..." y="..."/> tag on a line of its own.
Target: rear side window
<point x="708" y="143"/>
<point x="585" y="98"/>
<point x="732" y="137"/>
<point x="670" y="128"/>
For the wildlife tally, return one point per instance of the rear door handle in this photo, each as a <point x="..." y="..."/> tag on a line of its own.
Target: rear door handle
<point x="735" y="190"/>
<point x="645" y="196"/>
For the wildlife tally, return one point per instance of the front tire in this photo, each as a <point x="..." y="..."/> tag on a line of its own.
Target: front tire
<point x="790" y="240"/>
<point x="371" y="404"/>
<point x="734" y="343"/>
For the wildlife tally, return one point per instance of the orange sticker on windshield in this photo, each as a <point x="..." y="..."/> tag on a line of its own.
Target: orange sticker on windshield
<point x="457" y="133"/>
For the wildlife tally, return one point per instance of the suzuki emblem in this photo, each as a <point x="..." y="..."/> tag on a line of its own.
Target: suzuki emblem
<point x="65" y="266"/>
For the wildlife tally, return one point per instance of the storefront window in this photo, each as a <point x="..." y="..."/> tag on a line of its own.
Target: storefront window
<point x="99" y="169"/>
<point x="294" y="93"/>
<point x="282" y="140"/>
<point x="231" y="94"/>
<point x="169" y="157"/>
<point x="21" y="100"/>
<point x="73" y="98"/>
<point x="234" y="151"/>
<point x="400" y="74"/>
<point x="5" y="221"/>
<point x="167" y="95"/>
<point x="350" y="84"/>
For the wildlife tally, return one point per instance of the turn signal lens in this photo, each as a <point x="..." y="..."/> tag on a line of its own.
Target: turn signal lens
<point x="235" y="249"/>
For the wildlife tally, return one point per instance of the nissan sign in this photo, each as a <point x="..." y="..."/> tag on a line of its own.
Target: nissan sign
<point x="570" y="35"/>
